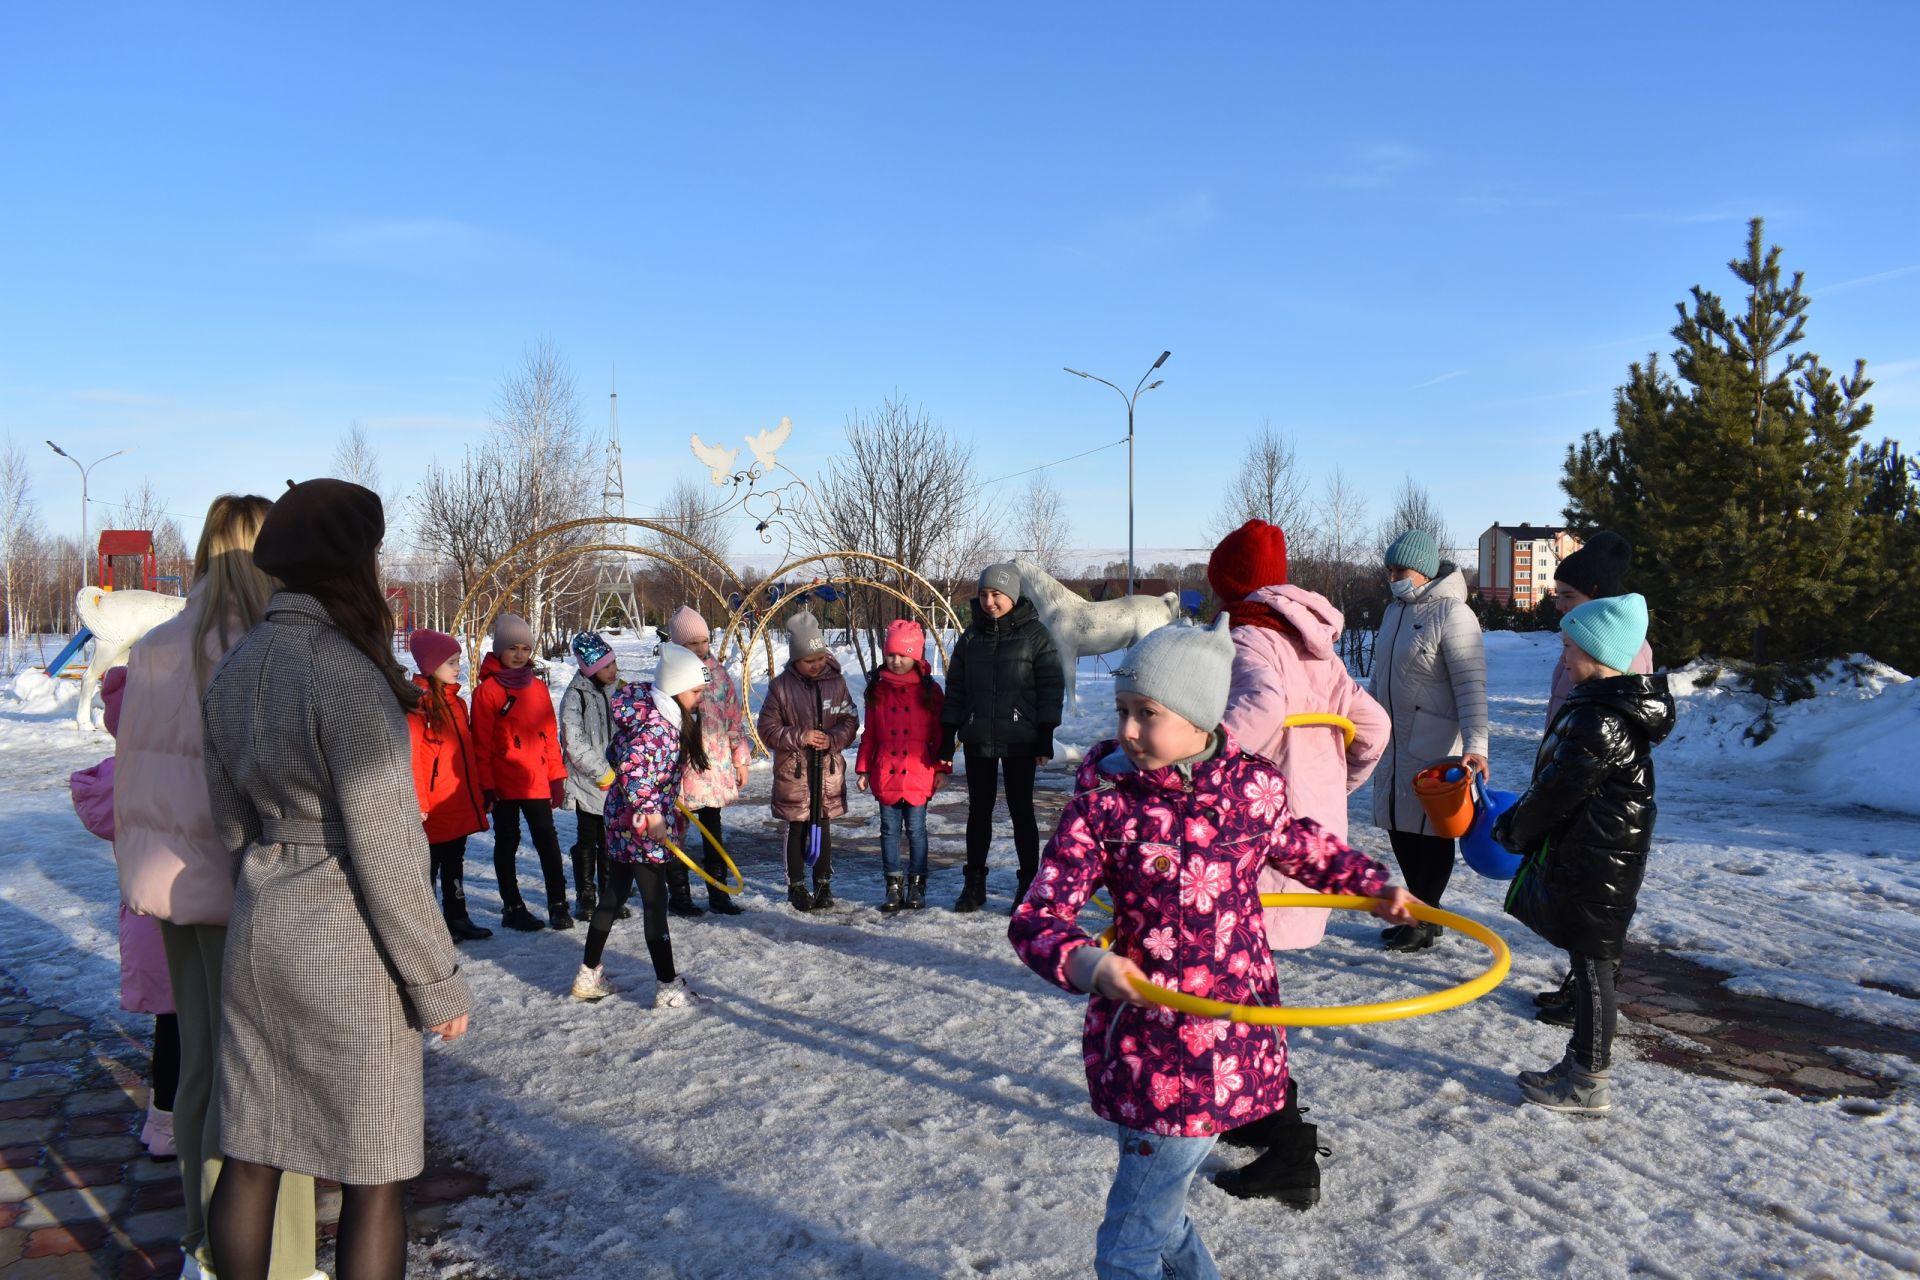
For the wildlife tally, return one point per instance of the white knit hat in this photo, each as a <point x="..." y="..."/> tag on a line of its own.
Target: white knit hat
<point x="1184" y="668"/>
<point x="679" y="671"/>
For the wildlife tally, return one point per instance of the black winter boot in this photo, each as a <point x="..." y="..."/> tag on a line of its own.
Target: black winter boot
<point x="1287" y="1172"/>
<point x="1021" y="885"/>
<point x="916" y="892"/>
<point x="557" y="917"/>
<point x="974" y="895"/>
<point x="460" y="925"/>
<point x="822" y="892"/>
<point x="797" y="896"/>
<point x="896" y="895"/>
<point x="516" y="916"/>
<point x="679" y="894"/>
<point x="585" y="899"/>
<point x="719" y="901"/>
<point x="1264" y="1132"/>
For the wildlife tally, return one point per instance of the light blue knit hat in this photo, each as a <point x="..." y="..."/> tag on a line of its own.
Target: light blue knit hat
<point x="1185" y="668"/>
<point x="1415" y="550"/>
<point x="1609" y="631"/>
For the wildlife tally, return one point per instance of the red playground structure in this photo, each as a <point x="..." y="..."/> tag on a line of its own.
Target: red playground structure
<point x="124" y="545"/>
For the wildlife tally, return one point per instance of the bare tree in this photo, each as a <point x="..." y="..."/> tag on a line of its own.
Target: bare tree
<point x="18" y="536"/>
<point x="455" y="513"/>
<point x="904" y="489"/>
<point x="1343" y="540"/>
<point x="1269" y="486"/>
<point x="143" y="508"/>
<point x="1041" y="526"/>
<point x="1413" y="508"/>
<point x="355" y="459"/>
<point x="550" y="475"/>
<point x="690" y="511"/>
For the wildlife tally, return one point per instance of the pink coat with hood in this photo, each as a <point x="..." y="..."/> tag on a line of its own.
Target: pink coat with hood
<point x="171" y="863"/>
<point x="1277" y="674"/>
<point x="1180" y="851"/>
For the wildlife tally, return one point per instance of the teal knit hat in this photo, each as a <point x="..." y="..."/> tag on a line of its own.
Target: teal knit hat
<point x="1415" y="550"/>
<point x="1609" y="631"/>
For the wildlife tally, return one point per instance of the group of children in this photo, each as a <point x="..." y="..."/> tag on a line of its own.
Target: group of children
<point x="1172" y="818"/>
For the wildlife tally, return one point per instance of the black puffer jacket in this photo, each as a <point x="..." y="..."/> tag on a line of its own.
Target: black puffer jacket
<point x="1004" y="686"/>
<point x="1591" y="805"/>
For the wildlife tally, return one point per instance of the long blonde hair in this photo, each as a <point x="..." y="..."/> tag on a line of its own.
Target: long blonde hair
<point x="235" y="590"/>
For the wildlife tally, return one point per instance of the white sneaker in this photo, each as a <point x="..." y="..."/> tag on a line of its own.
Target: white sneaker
<point x="674" y="995"/>
<point x="591" y="984"/>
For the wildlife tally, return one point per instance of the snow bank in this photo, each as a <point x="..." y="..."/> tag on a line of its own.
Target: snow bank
<point x="41" y="694"/>
<point x="1851" y="743"/>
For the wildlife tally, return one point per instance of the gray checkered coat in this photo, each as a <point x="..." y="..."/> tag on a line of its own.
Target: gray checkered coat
<point x="336" y="952"/>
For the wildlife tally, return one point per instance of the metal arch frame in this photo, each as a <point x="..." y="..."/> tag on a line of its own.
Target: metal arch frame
<point x="747" y="598"/>
<point x="768" y="615"/>
<point x="592" y="548"/>
<point x="485" y="578"/>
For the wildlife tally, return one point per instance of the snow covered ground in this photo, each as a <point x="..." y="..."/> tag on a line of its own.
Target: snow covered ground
<point x="900" y="1098"/>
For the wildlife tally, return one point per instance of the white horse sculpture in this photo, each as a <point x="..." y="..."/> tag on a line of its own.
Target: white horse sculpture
<point x="1080" y="626"/>
<point x="117" y="619"/>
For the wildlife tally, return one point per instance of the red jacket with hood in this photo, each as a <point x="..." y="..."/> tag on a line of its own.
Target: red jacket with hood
<point x="446" y="775"/>
<point x="516" y="739"/>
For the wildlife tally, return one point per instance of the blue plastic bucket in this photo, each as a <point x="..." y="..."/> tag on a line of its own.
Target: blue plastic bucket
<point x="1482" y="852"/>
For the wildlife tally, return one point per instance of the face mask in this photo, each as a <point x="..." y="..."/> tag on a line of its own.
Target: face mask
<point x="1402" y="588"/>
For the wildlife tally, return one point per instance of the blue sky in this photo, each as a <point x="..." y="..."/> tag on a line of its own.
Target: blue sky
<point x="1416" y="237"/>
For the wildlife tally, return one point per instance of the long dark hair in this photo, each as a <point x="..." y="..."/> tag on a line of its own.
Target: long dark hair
<point x="358" y="607"/>
<point x="437" y="711"/>
<point x="693" y="740"/>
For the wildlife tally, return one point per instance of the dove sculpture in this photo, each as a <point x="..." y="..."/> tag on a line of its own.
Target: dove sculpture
<point x="717" y="461"/>
<point x="767" y="443"/>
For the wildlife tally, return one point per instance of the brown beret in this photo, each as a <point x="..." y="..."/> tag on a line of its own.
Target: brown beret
<point x="319" y="529"/>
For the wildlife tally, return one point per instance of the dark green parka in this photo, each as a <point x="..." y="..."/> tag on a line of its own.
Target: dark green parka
<point x="1005" y="686"/>
<point x="1591" y="804"/>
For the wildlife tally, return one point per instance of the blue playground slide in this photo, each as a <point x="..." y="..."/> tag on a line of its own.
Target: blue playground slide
<point x="67" y="654"/>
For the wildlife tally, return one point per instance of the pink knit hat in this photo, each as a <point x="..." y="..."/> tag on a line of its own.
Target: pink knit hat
<point x="687" y="626"/>
<point x="431" y="648"/>
<point x="905" y="637"/>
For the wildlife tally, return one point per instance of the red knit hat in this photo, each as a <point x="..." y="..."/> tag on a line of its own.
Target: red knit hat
<point x="905" y="637"/>
<point x="431" y="648"/>
<point x="1251" y="557"/>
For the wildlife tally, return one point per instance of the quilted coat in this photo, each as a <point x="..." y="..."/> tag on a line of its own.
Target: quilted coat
<point x="516" y="739"/>
<point x="1430" y="673"/>
<point x="171" y="866"/>
<point x="723" y="732"/>
<point x="337" y="953"/>
<point x="899" y="752"/>
<point x="1591" y="805"/>
<point x="1180" y="853"/>
<point x="1294" y="669"/>
<point x="1005" y="688"/>
<point x="446" y="778"/>
<point x="646" y="764"/>
<point x="795" y="704"/>
<point x="586" y="730"/>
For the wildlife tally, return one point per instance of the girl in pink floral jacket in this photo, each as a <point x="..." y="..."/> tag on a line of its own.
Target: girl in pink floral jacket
<point x="1176" y="823"/>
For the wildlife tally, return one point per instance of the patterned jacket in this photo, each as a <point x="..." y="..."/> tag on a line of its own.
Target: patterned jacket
<point x="1181" y="857"/>
<point x="723" y="731"/>
<point x="647" y="766"/>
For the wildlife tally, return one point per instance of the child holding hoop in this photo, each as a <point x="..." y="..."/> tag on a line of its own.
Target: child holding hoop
<point x="656" y="738"/>
<point x="1176" y="822"/>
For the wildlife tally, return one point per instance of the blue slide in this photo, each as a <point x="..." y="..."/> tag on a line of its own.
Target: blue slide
<point x="67" y="654"/>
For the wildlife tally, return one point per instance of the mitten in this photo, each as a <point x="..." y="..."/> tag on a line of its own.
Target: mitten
<point x="606" y="780"/>
<point x="557" y="791"/>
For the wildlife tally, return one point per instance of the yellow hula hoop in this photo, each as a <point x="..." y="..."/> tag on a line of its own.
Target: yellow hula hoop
<point x="1307" y="718"/>
<point x="739" y="884"/>
<point x="1336" y="1015"/>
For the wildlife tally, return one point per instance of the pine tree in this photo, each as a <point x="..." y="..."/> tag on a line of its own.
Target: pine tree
<point x="1735" y="478"/>
<point x="1887" y="621"/>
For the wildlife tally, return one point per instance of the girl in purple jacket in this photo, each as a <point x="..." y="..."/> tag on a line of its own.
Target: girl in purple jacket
<point x="656" y="738"/>
<point x="1176" y="823"/>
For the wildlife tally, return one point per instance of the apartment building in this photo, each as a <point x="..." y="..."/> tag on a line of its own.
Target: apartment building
<point x="1517" y="561"/>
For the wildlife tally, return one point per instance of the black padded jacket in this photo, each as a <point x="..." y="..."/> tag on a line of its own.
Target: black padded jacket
<point x="1586" y="821"/>
<point x="1005" y="686"/>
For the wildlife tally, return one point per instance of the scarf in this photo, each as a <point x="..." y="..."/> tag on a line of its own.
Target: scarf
<point x="910" y="679"/>
<point x="1251" y="613"/>
<point x="514" y="677"/>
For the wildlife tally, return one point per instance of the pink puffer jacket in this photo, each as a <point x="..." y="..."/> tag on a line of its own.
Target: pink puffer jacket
<point x="1181" y="858"/>
<point x="171" y="863"/>
<point x="1280" y="673"/>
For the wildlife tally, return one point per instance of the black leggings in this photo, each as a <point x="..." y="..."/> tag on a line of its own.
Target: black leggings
<point x="165" y="1073"/>
<point x="982" y="791"/>
<point x="798" y="834"/>
<point x="447" y="867"/>
<point x="506" y="848"/>
<point x="1426" y="863"/>
<point x="1594" y="1014"/>
<point x="622" y="879"/>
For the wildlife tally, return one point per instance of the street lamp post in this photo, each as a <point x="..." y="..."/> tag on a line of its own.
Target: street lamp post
<point x="85" y="471"/>
<point x="1140" y="388"/>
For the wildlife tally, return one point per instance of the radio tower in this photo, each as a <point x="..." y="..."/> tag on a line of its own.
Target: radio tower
<point x="613" y="598"/>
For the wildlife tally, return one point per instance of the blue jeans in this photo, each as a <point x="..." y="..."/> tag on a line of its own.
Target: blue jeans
<point x="1147" y="1234"/>
<point x="914" y="816"/>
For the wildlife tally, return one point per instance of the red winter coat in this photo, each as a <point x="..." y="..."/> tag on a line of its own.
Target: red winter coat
<point x="446" y="775"/>
<point x="900" y="750"/>
<point x="516" y="741"/>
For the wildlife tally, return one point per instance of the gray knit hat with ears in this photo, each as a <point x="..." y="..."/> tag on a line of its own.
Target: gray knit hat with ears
<point x="804" y="636"/>
<point x="1184" y="668"/>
